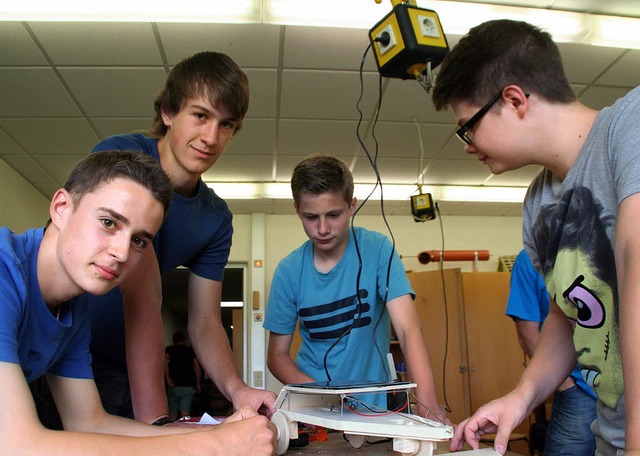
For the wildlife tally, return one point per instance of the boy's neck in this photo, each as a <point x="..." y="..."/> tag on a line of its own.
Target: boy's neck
<point x="183" y="182"/>
<point x="325" y="260"/>
<point x="569" y="129"/>
<point x="55" y="287"/>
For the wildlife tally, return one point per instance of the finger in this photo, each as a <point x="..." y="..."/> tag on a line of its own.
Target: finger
<point x="501" y="442"/>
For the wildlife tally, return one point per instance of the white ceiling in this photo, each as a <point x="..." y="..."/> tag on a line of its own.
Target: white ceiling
<point x="65" y="86"/>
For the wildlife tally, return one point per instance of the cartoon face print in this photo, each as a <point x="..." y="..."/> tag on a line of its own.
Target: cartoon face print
<point x="590" y="309"/>
<point x="588" y="301"/>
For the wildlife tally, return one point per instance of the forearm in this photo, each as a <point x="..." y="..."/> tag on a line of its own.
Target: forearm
<point x="146" y="364"/>
<point x="285" y="369"/>
<point x="552" y="362"/>
<point x="420" y="371"/>
<point x="142" y="301"/>
<point x="210" y="342"/>
<point x="157" y="441"/>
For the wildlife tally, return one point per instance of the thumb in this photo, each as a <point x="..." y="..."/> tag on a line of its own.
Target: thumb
<point x="501" y="442"/>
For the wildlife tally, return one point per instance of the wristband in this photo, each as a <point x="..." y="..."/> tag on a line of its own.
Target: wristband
<point x="162" y="421"/>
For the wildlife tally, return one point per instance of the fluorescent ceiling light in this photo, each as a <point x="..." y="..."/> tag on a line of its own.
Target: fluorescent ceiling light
<point x="456" y="17"/>
<point x="229" y="11"/>
<point x="391" y="192"/>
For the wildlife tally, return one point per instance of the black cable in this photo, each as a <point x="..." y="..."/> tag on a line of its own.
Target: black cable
<point x="373" y="162"/>
<point x="446" y="318"/>
<point x="358" y="300"/>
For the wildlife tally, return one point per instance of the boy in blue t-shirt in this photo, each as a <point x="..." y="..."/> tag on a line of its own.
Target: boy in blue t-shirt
<point x="345" y="333"/>
<point x="102" y="224"/>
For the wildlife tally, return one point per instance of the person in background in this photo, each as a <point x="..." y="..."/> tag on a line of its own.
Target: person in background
<point x="182" y="376"/>
<point x="568" y="431"/>
<point x="101" y="225"/>
<point x="345" y="333"/>
<point x="515" y="108"/>
<point x="200" y="108"/>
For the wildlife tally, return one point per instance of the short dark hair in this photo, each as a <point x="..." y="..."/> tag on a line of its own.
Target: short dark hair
<point x="320" y="173"/>
<point x="499" y="53"/>
<point x="102" y="167"/>
<point x="212" y="75"/>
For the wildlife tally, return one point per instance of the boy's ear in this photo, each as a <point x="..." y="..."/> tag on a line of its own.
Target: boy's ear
<point x="167" y="117"/>
<point x="61" y="205"/>
<point x="353" y="205"/>
<point x="516" y="98"/>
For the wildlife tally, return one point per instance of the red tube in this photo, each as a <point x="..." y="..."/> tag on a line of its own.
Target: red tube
<point x="452" y="255"/>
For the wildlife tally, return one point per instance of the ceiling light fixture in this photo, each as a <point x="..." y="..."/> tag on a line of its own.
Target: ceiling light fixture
<point x="456" y="17"/>
<point x="236" y="11"/>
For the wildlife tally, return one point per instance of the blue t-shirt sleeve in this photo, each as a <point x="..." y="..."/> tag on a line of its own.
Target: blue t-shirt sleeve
<point x="527" y="293"/>
<point x="11" y="318"/>
<point x="281" y="315"/>
<point x="76" y="362"/>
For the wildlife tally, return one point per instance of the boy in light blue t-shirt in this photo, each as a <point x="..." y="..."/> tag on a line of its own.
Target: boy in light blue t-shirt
<point x="345" y="333"/>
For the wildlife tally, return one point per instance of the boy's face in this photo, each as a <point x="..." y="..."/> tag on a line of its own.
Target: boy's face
<point x="325" y="219"/>
<point x="197" y="135"/>
<point x="102" y="238"/>
<point x="493" y="136"/>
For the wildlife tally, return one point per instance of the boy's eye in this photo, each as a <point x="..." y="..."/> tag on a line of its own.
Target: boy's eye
<point x="108" y="223"/>
<point x="139" y="242"/>
<point x="229" y="125"/>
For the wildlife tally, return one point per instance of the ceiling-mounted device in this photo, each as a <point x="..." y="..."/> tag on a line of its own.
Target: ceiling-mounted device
<point x="408" y="42"/>
<point x="422" y="207"/>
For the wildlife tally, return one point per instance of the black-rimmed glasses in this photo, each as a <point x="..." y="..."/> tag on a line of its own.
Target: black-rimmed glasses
<point x="469" y="124"/>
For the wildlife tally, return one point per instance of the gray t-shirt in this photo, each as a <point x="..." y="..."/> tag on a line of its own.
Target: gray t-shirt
<point x="568" y="232"/>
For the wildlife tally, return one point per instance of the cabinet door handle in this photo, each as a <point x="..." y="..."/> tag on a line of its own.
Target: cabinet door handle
<point x="463" y="369"/>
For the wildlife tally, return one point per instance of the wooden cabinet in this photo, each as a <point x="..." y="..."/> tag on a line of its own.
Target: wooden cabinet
<point x="473" y="345"/>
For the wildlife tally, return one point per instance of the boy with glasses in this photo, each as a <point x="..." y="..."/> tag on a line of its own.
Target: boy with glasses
<point x="580" y="220"/>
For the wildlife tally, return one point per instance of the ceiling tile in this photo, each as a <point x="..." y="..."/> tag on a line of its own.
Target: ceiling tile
<point x="327" y="48"/>
<point x="59" y="166"/>
<point x="47" y="189"/>
<point x="403" y="139"/>
<point x="35" y="92"/>
<point x="28" y="168"/>
<point x="583" y="63"/>
<point x="598" y="97"/>
<point x="624" y="72"/>
<point x="98" y="43"/>
<point x="406" y="100"/>
<point x="325" y="94"/>
<point x="303" y="137"/>
<point x="262" y="88"/>
<point x="42" y="136"/>
<point x="250" y="45"/>
<point x="255" y="138"/>
<point x="8" y="145"/>
<point x="113" y="91"/>
<point x="17" y="46"/>
<point x="241" y="168"/>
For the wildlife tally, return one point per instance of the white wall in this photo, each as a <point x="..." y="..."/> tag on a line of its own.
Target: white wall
<point x="21" y="205"/>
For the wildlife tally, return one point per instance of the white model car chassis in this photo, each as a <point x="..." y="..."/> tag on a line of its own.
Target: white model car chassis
<point x="326" y="407"/>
